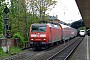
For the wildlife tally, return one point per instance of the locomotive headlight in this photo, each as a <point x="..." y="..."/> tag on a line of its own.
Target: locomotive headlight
<point x="44" y="39"/>
<point x="42" y="35"/>
<point x="32" y="39"/>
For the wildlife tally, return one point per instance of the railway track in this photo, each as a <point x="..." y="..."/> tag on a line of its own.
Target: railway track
<point x="45" y="54"/>
<point x="66" y="52"/>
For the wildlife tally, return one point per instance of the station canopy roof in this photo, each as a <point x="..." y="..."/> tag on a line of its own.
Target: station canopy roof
<point x="84" y="8"/>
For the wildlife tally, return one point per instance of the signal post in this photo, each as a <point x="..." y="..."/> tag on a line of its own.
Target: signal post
<point x="7" y="30"/>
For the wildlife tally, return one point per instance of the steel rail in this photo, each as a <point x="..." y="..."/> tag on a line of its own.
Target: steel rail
<point x="66" y="52"/>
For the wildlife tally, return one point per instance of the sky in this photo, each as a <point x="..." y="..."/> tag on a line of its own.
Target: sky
<point x="66" y="10"/>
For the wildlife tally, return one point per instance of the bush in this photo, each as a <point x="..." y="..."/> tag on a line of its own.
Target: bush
<point x="1" y="35"/>
<point x="12" y="51"/>
<point x="3" y="54"/>
<point x="82" y="28"/>
<point x="20" y="37"/>
<point x="1" y="51"/>
<point x="15" y="50"/>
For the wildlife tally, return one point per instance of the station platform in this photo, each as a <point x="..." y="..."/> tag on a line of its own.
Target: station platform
<point x="82" y="52"/>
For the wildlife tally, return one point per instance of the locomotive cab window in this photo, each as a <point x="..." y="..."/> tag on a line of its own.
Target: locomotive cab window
<point x="36" y="28"/>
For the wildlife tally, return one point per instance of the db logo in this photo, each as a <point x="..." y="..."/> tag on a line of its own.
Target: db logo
<point x="38" y="35"/>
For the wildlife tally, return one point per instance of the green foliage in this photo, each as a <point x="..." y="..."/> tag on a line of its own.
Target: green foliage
<point x="20" y="19"/>
<point x="39" y="7"/>
<point x="1" y="15"/>
<point x="15" y="50"/>
<point x="3" y="54"/>
<point x="82" y="28"/>
<point x="77" y="24"/>
<point x="1" y="35"/>
<point x="12" y="50"/>
<point x="18" y="35"/>
<point x="1" y="51"/>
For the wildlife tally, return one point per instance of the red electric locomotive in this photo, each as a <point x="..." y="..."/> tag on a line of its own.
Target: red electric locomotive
<point x="42" y="35"/>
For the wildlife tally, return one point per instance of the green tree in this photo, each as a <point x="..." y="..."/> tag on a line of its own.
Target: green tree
<point x="77" y="24"/>
<point x="18" y="16"/>
<point x="82" y="28"/>
<point x="23" y="13"/>
<point x="1" y="15"/>
<point x="39" y="7"/>
<point x="20" y="19"/>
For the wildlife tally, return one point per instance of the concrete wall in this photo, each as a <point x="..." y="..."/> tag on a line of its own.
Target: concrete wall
<point x="9" y="42"/>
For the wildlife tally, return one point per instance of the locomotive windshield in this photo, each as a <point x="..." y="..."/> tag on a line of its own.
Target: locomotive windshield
<point x="36" y="28"/>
